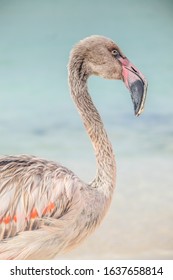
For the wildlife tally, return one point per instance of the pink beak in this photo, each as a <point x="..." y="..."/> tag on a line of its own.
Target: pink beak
<point x="135" y="82"/>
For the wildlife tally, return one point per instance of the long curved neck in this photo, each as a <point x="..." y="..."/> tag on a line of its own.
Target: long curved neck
<point x="105" y="177"/>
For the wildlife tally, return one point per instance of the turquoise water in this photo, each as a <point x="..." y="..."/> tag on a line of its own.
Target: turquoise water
<point x="38" y="117"/>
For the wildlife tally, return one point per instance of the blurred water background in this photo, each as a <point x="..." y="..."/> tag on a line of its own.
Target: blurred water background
<point x="37" y="115"/>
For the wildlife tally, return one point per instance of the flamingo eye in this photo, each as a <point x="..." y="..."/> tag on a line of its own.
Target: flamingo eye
<point x="115" y="52"/>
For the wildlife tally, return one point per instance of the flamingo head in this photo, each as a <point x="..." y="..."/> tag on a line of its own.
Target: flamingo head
<point x="102" y="57"/>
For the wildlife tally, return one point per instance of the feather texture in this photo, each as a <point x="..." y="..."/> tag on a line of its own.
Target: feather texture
<point x="45" y="207"/>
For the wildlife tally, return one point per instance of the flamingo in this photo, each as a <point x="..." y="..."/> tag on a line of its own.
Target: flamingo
<point x="45" y="209"/>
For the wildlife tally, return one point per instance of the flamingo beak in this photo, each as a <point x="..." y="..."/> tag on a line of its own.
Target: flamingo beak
<point x="136" y="83"/>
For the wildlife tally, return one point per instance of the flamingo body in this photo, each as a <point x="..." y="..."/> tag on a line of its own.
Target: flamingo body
<point x="45" y="209"/>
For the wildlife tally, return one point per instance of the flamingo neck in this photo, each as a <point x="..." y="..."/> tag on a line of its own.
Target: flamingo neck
<point x="106" y="169"/>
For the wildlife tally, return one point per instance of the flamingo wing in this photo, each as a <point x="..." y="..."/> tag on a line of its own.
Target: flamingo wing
<point x="34" y="193"/>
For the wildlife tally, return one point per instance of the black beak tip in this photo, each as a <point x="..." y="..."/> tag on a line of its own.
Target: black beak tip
<point x="137" y="90"/>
